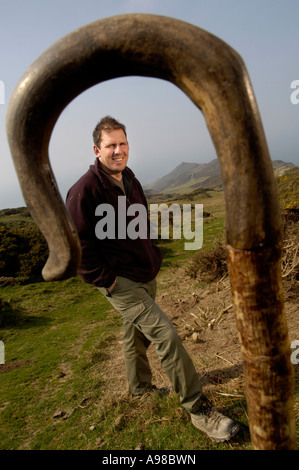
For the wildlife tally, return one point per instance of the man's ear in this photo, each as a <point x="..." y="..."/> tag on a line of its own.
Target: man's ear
<point x="96" y="151"/>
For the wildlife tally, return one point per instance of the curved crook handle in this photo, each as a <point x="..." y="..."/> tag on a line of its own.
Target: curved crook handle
<point x="203" y="66"/>
<point x="215" y="79"/>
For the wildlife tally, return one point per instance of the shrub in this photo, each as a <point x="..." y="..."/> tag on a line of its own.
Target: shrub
<point x="23" y="251"/>
<point x="208" y="265"/>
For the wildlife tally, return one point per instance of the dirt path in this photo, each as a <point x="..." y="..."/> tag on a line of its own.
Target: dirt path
<point x="204" y="319"/>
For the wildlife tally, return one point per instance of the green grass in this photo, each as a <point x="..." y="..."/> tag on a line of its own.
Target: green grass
<point x="213" y="228"/>
<point x="19" y="217"/>
<point x="51" y="327"/>
<point x="54" y="382"/>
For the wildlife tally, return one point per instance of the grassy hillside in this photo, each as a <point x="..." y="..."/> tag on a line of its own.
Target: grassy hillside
<point x="63" y="383"/>
<point x="188" y="177"/>
<point x="288" y="189"/>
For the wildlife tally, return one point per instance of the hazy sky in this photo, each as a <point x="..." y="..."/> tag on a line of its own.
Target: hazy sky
<point x="164" y="126"/>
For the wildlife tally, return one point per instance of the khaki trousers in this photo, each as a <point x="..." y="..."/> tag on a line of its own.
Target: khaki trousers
<point x="143" y="323"/>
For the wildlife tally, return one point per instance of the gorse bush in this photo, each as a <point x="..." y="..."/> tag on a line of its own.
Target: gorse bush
<point x="23" y="251"/>
<point x="208" y="265"/>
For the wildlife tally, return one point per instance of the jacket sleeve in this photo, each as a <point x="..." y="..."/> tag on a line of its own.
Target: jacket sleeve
<point x="93" y="269"/>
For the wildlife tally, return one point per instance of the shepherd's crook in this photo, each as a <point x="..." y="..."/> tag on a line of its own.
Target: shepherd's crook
<point x="214" y="77"/>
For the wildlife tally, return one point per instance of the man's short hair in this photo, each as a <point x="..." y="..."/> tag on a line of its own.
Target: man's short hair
<point x="106" y="124"/>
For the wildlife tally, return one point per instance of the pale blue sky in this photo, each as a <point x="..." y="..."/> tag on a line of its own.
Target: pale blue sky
<point x="164" y="127"/>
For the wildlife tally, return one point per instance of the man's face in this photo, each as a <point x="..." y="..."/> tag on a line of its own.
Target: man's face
<point x="113" y="151"/>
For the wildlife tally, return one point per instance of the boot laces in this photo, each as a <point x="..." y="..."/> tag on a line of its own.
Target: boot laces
<point x="213" y="415"/>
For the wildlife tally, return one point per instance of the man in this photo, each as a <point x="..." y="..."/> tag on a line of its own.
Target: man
<point x="124" y="270"/>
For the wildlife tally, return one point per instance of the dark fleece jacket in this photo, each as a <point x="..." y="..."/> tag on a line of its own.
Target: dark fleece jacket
<point x="102" y="260"/>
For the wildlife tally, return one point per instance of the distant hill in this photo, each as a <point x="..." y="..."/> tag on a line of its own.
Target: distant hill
<point x="181" y="174"/>
<point x="191" y="176"/>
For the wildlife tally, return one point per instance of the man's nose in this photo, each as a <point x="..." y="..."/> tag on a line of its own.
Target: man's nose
<point x="117" y="149"/>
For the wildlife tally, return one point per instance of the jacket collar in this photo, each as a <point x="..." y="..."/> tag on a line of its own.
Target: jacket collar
<point x="100" y="173"/>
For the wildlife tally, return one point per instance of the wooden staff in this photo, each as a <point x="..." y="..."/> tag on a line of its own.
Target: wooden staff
<point x="214" y="77"/>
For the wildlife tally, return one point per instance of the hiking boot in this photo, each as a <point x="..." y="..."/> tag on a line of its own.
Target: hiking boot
<point x="161" y="391"/>
<point x="218" y="427"/>
<point x="153" y="388"/>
